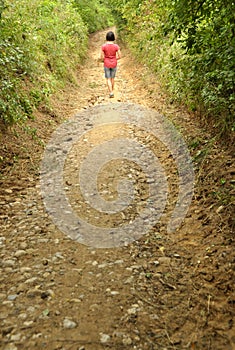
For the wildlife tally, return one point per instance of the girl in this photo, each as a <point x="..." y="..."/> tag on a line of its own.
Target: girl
<point x="110" y="53"/>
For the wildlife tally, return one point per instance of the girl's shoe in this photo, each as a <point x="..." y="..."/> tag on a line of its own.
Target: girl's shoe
<point x="111" y="95"/>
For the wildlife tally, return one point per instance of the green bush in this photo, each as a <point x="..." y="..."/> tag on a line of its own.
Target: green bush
<point x="41" y="43"/>
<point x="95" y="14"/>
<point x="191" y="47"/>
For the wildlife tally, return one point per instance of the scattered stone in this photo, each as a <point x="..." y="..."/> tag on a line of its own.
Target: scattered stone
<point x="101" y="266"/>
<point x="164" y="260"/>
<point x="133" y="310"/>
<point x="28" y="323"/>
<point x="10" y="347"/>
<point x="8" y="191"/>
<point x="9" y="263"/>
<point x="25" y="269"/>
<point x="23" y="316"/>
<point x="127" y="341"/>
<point x="20" y="253"/>
<point x="12" y="297"/>
<point x="69" y="324"/>
<point x="104" y="338"/>
<point x="15" y="337"/>
<point x="119" y="261"/>
<point x="94" y="307"/>
<point x="31" y="280"/>
<point x="129" y="280"/>
<point x="114" y="292"/>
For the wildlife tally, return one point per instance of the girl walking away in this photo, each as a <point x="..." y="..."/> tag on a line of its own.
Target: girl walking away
<point x="110" y="54"/>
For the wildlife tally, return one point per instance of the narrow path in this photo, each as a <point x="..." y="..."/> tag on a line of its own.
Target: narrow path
<point x="164" y="291"/>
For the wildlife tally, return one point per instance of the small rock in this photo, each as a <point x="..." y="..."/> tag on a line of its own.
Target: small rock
<point x="31" y="280"/>
<point x="15" y="337"/>
<point x="69" y="324"/>
<point x="23" y="245"/>
<point x="28" y="323"/>
<point x="114" y="292"/>
<point x="32" y="293"/>
<point x="24" y="269"/>
<point x="129" y="280"/>
<point x="218" y="210"/>
<point x="21" y="288"/>
<point x="12" y="297"/>
<point x="36" y="336"/>
<point x="20" y="253"/>
<point x="9" y="263"/>
<point x="164" y="260"/>
<point x="156" y="262"/>
<point x="127" y="341"/>
<point x="10" y="347"/>
<point x="7" y="303"/>
<point x="101" y="266"/>
<point x="77" y="301"/>
<point x="94" y="307"/>
<point x="58" y="255"/>
<point x="132" y="311"/>
<point x="23" y="316"/>
<point x="119" y="261"/>
<point x="104" y="338"/>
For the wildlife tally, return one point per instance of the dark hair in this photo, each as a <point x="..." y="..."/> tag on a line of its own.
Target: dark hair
<point x="110" y="36"/>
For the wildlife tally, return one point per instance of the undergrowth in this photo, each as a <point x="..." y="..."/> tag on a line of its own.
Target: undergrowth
<point x="42" y="43"/>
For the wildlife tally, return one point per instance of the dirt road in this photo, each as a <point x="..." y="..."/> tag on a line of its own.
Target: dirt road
<point x="162" y="291"/>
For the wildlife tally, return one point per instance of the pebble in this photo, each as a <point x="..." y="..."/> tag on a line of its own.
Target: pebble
<point x="23" y="316"/>
<point x="129" y="280"/>
<point x="69" y="324"/>
<point x="25" y="269"/>
<point x="12" y="297"/>
<point x="20" y="253"/>
<point x="28" y="323"/>
<point x="16" y="337"/>
<point x="9" y="263"/>
<point x="114" y="292"/>
<point x="133" y="310"/>
<point x="10" y="347"/>
<point x="31" y="280"/>
<point x="164" y="260"/>
<point x="104" y="338"/>
<point x="127" y="341"/>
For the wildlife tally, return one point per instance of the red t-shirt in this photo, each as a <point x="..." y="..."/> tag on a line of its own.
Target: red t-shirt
<point x="110" y="50"/>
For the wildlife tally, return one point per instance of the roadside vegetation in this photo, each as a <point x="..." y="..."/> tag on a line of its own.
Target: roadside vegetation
<point x="42" y="43"/>
<point x="190" y="46"/>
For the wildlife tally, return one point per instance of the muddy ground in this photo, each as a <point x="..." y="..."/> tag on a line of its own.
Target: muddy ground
<point x="163" y="291"/>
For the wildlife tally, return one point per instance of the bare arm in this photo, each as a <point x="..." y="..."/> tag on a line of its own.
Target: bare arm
<point x="119" y="55"/>
<point x="101" y="56"/>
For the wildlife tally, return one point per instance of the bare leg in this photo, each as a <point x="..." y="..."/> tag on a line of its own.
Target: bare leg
<point x="112" y="82"/>
<point x="110" y="85"/>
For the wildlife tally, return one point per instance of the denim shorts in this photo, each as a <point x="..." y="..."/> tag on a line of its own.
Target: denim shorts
<point x="110" y="72"/>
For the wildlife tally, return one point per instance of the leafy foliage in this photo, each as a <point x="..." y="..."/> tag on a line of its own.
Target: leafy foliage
<point x="41" y="44"/>
<point x="94" y="13"/>
<point x="191" y="47"/>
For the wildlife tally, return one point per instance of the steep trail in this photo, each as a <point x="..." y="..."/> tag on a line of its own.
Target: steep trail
<point x="163" y="291"/>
